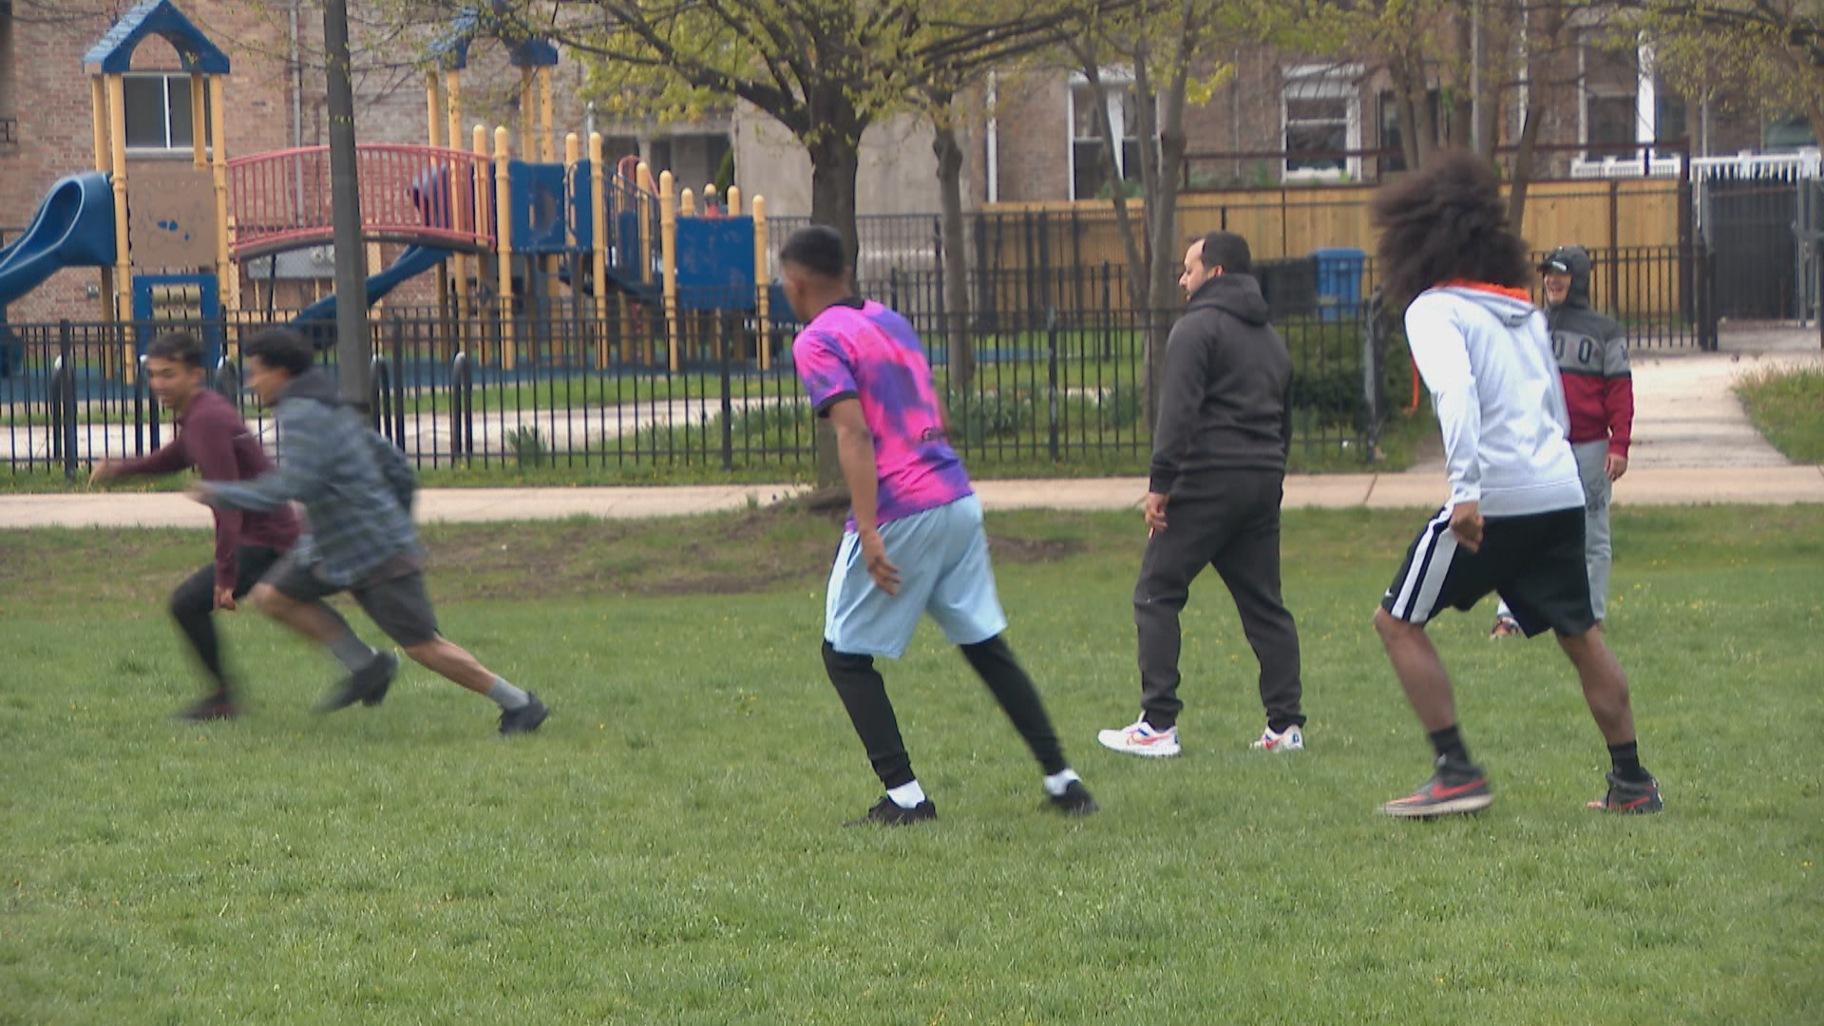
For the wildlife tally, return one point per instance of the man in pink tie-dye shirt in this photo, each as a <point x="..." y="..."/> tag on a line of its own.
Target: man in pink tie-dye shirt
<point x="914" y="543"/>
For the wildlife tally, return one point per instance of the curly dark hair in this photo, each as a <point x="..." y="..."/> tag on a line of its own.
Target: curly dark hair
<point x="1447" y="221"/>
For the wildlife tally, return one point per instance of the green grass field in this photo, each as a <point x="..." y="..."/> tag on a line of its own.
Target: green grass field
<point x="1787" y="406"/>
<point x="667" y="849"/>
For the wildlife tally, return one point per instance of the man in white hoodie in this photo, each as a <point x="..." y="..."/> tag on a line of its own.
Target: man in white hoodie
<point x="1514" y="523"/>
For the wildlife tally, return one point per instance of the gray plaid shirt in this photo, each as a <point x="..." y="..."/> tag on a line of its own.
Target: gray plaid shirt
<point x="356" y="487"/>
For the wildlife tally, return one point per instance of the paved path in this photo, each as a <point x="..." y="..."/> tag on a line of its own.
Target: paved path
<point x="1648" y="487"/>
<point x="1686" y="414"/>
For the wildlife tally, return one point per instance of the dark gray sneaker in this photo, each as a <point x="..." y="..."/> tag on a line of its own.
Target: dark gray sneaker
<point x="368" y="685"/>
<point x="1075" y="801"/>
<point x="887" y="812"/>
<point x="1630" y="797"/>
<point x="1453" y="790"/>
<point x="525" y="719"/>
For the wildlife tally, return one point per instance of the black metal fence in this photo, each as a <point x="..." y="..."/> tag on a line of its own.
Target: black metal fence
<point x="1038" y="260"/>
<point x="1765" y="224"/>
<point x="620" y="389"/>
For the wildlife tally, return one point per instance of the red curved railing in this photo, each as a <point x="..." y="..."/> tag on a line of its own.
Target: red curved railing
<point x="281" y="200"/>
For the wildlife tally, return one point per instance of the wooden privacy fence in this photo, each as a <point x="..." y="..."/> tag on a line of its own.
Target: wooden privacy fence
<point x="1294" y="221"/>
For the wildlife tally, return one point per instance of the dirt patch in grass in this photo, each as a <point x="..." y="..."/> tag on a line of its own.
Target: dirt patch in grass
<point x="1011" y="549"/>
<point x="728" y="554"/>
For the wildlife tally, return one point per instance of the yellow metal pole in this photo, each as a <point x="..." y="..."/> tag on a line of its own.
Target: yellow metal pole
<point x="598" y="247"/>
<point x="452" y="91"/>
<point x="647" y="186"/>
<point x="548" y="115"/>
<point x="734" y="201"/>
<point x="762" y="281"/>
<point x="123" y="256"/>
<point x="458" y="211"/>
<point x="226" y="278"/>
<point x="687" y="203"/>
<point x="433" y="130"/>
<point x="198" y="156"/>
<point x="668" y="256"/>
<point x="433" y="103"/>
<point x="98" y="103"/>
<point x="573" y="155"/>
<point x="484" y="224"/>
<point x="503" y="203"/>
<point x="528" y="115"/>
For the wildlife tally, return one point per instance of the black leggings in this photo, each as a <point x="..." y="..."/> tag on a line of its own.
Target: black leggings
<point x="193" y="606"/>
<point x="864" y="695"/>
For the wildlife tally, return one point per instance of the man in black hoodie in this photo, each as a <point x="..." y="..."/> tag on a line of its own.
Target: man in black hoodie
<point x="1219" y="464"/>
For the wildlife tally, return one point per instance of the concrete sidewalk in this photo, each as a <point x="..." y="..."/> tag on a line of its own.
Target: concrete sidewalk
<point x="1776" y="486"/>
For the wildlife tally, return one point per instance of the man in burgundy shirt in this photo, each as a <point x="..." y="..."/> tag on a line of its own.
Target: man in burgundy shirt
<point x="212" y="438"/>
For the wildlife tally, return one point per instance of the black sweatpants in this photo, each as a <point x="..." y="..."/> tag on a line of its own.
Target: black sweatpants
<point x="193" y="606"/>
<point x="1229" y="520"/>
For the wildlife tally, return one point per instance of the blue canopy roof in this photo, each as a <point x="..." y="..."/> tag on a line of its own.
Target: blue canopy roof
<point x="524" y="51"/>
<point x="114" y="51"/>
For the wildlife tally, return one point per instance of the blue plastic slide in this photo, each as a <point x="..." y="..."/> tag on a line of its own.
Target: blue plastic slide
<point x="413" y="262"/>
<point x="74" y="228"/>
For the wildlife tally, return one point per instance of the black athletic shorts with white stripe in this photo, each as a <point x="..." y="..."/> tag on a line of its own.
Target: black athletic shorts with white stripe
<point x="1535" y="562"/>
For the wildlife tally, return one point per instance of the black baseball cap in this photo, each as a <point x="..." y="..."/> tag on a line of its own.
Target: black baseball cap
<point x="1558" y="262"/>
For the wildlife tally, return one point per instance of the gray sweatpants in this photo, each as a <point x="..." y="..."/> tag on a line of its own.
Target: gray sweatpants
<point x="1593" y="468"/>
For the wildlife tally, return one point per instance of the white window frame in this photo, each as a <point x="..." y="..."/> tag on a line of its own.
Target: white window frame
<point x="1644" y="130"/>
<point x="1322" y="82"/>
<point x="172" y="148"/>
<point x="1115" y="80"/>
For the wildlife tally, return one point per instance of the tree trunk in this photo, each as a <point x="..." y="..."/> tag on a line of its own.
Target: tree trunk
<point x="1493" y="71"/>
<point x="1549" y="22"/>
<point x="1162" y="214"/>
<point x="958" y="342"/>
<point x="1461" y="117"/>
<point x="1523" y="162"/>
<point x="1413" y="110"/>
<point x="835" y="160"/>
<point x="1136" y="258"/>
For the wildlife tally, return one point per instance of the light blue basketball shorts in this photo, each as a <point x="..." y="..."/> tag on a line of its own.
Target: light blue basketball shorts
<point x="942" y="556"/>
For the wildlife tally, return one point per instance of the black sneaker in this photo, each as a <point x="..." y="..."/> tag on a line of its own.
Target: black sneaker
<point x="1075" y="801"/>
<point x="525" y="719"/>
<point x="1630" y="797"/>
<point x="368" y="685"/>
<point x="218" y="706"/>
<point x="1455" y="789"/>
<point x="888" y="812"/>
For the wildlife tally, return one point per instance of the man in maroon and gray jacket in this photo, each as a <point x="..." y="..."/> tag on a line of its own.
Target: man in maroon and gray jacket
<point x="1592" y="352"/>
<point x="212" y="438"/>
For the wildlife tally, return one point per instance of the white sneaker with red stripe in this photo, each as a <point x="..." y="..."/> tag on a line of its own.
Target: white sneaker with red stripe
<point x="1291" y="739"/>
<point x="1139" y="738"/>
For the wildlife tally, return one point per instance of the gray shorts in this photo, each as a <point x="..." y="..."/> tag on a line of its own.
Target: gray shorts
<point x="393" y="595"/>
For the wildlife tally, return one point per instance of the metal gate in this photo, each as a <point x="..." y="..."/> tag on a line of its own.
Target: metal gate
<point x="1762" y="216"/>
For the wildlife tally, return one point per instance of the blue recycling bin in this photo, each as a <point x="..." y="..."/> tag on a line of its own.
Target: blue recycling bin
<point x="1339" y="282"/>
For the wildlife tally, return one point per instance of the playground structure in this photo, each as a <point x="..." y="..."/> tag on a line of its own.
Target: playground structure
<point x="505" y="233"/>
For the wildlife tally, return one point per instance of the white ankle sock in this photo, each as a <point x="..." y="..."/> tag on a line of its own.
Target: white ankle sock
<point x="1055" y="783"/>
<point x="907" y="796"/>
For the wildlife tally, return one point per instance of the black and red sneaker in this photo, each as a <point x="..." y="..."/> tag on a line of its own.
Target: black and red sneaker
<point x="1455" y="789"/>
<point x="1630" y="797"/>
<point x="218" y="706"/>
